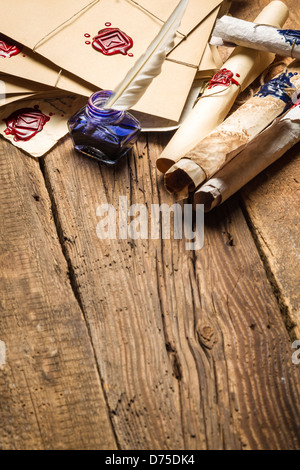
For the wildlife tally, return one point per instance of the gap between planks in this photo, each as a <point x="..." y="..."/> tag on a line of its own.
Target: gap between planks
<point x="73" y="284"/>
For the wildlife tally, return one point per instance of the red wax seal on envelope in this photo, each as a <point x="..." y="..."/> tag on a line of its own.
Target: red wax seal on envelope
<point x="8" y="48"/>
<point x="223" y="78"/>
<point x="25" y="123"/>
<point x="111" y="41"/>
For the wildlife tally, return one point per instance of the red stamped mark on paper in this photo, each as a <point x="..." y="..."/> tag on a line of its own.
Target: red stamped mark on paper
<point x="8" y="48"/>
<point x="25" y="123"/>
<point x="111" y="41"/>
<point x="223" y="78"/>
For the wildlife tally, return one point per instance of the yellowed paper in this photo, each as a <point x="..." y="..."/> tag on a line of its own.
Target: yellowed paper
<point x="155" y="124"/>
<point x="60" y="38"/>
<point x="6" y="99"/>
<point x="31" y="66"/>
<point x="196" y="10"/>
<point x="191" y="49"/>
<point x="222" y="144"/>
<point x="264" y="150"/>
<point x="14" y="85"/>
<point x="210" y="63"/>
<point x="56" y="109"/>
<point x="215" y="104"/>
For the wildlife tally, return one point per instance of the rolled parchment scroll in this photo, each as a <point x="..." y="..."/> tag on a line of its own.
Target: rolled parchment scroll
<point x="264" y="150"/>
<point x="285" y="42"/>
<point x="241" y="69"/>
<point x="221" y="145"/>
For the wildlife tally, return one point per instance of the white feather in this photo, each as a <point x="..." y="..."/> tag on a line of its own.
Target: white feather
<point x="136" y="82"/>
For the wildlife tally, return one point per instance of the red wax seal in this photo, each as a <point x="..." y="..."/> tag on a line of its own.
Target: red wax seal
<point x="223" y="78"/>
<point x="111" y="41"/>
<point x="8" y="48"/>
<point x="25" y="123"/>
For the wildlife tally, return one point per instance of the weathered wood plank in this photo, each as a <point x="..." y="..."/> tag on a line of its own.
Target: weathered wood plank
<point x="50" y="390"/>
<point x="192" y="348"/>
<point x="272" y="205"/>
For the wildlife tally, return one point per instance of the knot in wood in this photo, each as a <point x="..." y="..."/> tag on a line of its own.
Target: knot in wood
<point x="206" y="336"/>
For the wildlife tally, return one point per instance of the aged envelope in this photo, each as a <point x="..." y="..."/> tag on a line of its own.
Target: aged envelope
<point x="36" y="124"/>
<point x="61" y="39"/>
<point x="155" y="124"/>
<point x="6" y="99"/>
<point x="211" y="62"/>
<point x="32" y="66"/>
<point x="11" y="85"/>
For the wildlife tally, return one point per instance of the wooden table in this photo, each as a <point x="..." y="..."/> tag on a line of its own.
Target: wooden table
<point x="144" y="345"/>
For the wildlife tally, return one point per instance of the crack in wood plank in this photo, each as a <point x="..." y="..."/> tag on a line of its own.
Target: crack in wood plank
<point x="72" y="277"/>
<point x="202" y="400"/>
<point x="279" y="293"/>
<point x="51" y="396"/>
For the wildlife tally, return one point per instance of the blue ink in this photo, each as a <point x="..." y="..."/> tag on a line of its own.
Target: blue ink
<point x="277" y="88"/>
<point x="291" y="36"/>
<point x="104" y="134"/>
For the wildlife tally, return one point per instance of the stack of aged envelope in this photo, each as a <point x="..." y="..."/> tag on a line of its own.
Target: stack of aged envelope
<point x="53" y="52"/>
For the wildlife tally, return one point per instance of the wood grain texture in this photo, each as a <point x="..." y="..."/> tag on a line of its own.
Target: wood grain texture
<point x="50" y="391"/>
<point x="138" y="344"/>
<point x="271" y="201"/>
<point x="192" y="348"/>
<point x="272" y="206"/>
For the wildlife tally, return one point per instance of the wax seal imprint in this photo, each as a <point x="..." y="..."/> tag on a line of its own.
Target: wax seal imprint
<point x="25" y="123"/>
<point x="8" y="48"/>
<point x="223" y="78"/>
<point x="111" y="41"/>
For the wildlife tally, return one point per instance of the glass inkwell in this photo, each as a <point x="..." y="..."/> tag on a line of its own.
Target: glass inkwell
<point x="103" y="133"/>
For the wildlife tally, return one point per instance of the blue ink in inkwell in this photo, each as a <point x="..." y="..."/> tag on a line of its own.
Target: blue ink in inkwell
<point x="104" y="134"/>
<point x="290" y="35"/>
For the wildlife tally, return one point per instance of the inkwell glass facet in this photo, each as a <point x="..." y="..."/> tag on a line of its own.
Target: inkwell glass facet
<point x="104" y="134"/>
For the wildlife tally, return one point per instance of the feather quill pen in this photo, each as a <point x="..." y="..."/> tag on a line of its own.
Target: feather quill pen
<point x="149" y="65"/>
